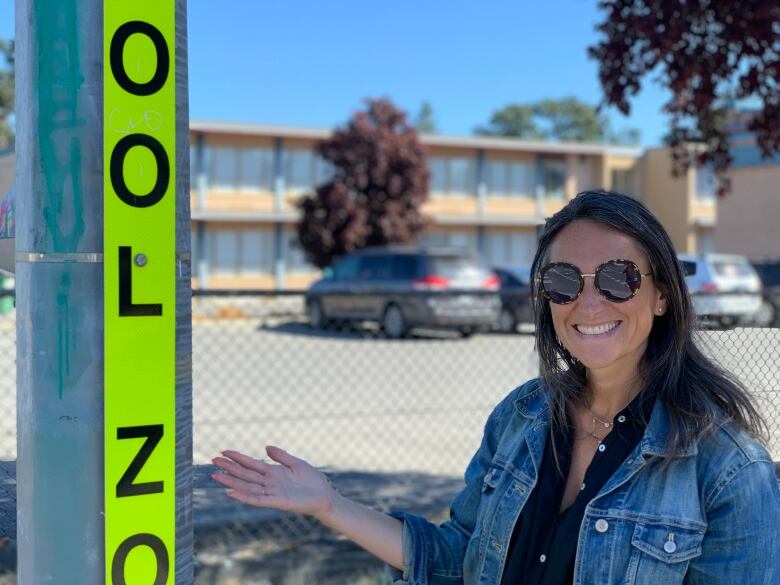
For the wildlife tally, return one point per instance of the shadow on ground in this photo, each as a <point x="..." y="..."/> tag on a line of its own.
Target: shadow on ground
<point x="235" y="543"/>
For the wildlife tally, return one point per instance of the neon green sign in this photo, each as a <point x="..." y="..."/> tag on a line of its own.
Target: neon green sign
<point x="139" y="284"/>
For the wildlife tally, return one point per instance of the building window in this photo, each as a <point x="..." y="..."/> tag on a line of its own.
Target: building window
<point x="256" y="169"/>
<point x="257" y="251"/>
<point x="294" y="255"/>
<point x="624" y="181"/>
<point x="705" y="184"/>
<point x="456" y="238"/>
<point x="507" y="248"/>
<point x="438" y="169"/>
<point x="299" y="170"/>
<point x="452" y="175"/>
<point x="509" y="179"/>
<point x="224" y="252"/>
<point x="554" y="177"/>
<point x="223" y="167"/>
<point x="235" y="251"/>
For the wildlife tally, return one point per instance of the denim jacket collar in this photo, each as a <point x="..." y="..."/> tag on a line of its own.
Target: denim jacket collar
<point x="533" y="404"/>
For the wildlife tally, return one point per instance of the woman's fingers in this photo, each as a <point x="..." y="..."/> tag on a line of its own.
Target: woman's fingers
<point x="239" y="484"/>
<point x="238" y="470"/>
<point x="282" y="456"/>
<point x="249" y="462"/>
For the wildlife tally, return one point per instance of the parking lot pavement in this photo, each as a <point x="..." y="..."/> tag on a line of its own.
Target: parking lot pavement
<point x="353" y="400"/>
<point x="345" y="400"/>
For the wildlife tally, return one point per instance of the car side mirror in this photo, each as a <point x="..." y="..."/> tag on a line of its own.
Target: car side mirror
<point x="689" y="268"/>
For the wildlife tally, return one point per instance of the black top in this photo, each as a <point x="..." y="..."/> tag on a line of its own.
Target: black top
<point x="544" y="543"/>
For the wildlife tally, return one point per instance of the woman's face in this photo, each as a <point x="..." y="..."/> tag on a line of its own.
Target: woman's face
<point x="586" y="244"/>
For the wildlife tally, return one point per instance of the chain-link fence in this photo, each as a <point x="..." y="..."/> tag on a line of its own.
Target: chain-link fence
<point x="393" y="422"/>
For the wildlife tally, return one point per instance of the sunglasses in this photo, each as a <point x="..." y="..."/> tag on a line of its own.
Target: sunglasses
<point x="616" y="280"/>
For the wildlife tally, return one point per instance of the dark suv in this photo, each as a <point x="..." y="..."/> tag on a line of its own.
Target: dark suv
<point x="401" y="287"/>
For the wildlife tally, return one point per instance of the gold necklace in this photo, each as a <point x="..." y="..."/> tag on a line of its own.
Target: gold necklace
<point x="595" y="418"/>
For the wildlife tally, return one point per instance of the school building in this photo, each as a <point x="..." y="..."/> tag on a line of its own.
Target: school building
<point x="488" y="194"/>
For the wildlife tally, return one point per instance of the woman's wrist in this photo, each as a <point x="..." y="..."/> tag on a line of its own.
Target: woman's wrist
<point x="330" y="512"/>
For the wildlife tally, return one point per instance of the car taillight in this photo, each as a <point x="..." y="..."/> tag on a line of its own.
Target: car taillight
<point x="431" y="282"/>
<point x="709" y="287"/>
<point x="491" y="282"/>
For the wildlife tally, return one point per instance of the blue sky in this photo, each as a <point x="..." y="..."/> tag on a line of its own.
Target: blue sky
<point x="311" y="63"/>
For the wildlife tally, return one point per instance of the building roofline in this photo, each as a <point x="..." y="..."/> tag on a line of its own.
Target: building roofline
<point x="483" y="142"/>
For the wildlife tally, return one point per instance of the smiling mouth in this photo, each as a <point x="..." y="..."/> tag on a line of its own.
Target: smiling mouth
<point x="598" y="329"/>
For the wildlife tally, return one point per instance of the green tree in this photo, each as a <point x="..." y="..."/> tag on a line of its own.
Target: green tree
<point x="7" y="80"/>
<point x="426" y="123"/>
<point x="567" y="119"/>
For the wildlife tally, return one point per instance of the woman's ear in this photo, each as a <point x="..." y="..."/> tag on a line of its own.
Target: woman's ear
<point x="662" y="302"/>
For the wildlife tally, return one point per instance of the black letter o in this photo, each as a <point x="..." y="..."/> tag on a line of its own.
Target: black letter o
<point x="143" y="539"/>
<point x="118" y="176"/>
<point x="117" y="64"/>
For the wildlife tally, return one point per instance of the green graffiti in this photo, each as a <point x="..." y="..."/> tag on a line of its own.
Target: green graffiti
<point x="59" y="80"/>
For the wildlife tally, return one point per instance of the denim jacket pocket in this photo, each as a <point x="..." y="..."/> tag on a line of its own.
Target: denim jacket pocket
<point x="660" y="553"/>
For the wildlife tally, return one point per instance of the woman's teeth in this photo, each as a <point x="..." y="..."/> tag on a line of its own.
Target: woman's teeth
<point x="598" y="329"/>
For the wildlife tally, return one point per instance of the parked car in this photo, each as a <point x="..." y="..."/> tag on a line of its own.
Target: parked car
<point x="515" y="292"/>
<point x="725" y="288"/>
<point x="769" y="273"/>
<point x="402" y="287"/>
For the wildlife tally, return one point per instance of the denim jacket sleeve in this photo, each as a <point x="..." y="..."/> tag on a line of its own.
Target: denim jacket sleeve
<point x="433" y="554"/>
<point x="742" y="542"/>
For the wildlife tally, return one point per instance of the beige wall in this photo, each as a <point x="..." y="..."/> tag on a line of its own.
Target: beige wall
<point x="669" y="198"/>
<point x="7" y="173"/>
<point x="749" y="216"/>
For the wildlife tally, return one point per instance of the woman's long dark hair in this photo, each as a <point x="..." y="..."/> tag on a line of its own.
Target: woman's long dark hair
<point x="698" y="394"/>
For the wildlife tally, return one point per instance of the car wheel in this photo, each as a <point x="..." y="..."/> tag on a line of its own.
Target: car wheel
<point x="317" y="318"/>
<point x="466" y="332"/>
<point x="766" y="315"/>
<point x="507" y="322"/>
<point x="394" y="323"/>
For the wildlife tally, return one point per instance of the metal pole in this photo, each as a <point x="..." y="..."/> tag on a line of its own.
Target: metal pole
<point x="184" y="471"/>
<point x="59" y="267"/>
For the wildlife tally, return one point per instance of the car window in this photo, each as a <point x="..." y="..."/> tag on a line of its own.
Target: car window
<point x="454" y="266"/>
<point x="405" y="267"/>
<point x="731" y="269"/>
<point x="375" y="268"/>
<point x="346" y="268"/>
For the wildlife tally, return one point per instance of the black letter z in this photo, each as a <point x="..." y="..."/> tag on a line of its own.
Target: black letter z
<point x="126" y="487"/>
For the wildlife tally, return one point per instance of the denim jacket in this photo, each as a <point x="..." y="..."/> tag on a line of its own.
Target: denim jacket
<point x="712" y="517"/>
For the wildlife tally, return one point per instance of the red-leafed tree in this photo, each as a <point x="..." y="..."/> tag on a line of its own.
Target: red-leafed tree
<point x="379" y="184"/>
<point x="708" y="53"/>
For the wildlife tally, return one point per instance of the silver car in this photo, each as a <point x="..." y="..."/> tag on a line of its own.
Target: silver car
<point x="403" y="287"/>
<point x="725" y="288"/>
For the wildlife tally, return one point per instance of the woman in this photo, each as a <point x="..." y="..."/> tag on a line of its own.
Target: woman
<point x="632" y="459"/>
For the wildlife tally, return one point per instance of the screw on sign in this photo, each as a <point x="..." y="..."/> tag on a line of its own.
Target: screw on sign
<point x="140" y="384"/>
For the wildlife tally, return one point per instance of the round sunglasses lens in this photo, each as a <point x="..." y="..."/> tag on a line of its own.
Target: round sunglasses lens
<point x="561" y="283"/>
<point x="618" y="281"/>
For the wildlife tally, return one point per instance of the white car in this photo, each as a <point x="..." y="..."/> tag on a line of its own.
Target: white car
<point x="725" y="288"/>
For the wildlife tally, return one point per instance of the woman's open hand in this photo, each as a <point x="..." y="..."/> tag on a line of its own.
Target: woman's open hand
<point x="293" y="485"/>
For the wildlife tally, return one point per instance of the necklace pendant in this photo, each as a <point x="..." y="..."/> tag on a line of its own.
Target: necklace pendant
<point x="606" y="425"/>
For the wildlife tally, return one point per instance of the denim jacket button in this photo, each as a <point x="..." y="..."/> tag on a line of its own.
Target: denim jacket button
<point x="670" y="546"/>
<point x="602" y="525"/>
